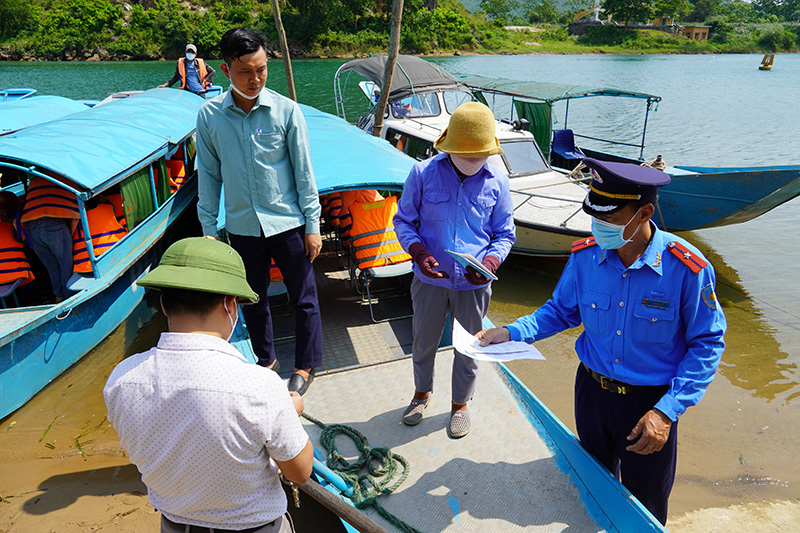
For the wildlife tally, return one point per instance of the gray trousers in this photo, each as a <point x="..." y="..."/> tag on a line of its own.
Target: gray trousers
<point x="431" y="304"/>
<point x="282" y="524"/>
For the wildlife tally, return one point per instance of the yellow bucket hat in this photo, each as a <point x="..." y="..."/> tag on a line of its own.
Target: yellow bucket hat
<point x="471" y="132"/>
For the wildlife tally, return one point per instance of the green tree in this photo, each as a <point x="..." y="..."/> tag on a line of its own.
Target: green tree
<point x="629" y="10"/>
<point x="704" y="9"/>
<point x="498" y="9"/>
<point x="15" y="16"/>
<point x="676" y="9"/>
<point x="540" y="11"/>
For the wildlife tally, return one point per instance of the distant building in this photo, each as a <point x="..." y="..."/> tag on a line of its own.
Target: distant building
<point x="697" y="33"/>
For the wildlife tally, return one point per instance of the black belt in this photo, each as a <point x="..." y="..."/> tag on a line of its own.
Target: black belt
<point x="203" y="529"/>
<point x="620" y="387"/>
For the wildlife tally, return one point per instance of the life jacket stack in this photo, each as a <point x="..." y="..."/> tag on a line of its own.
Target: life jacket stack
<point x="177" y="174"/>
<point x="105" y="232"/>
<point x="374" y="240"/>
<point x="14" y="264"/>
<point x="119" y="209"/>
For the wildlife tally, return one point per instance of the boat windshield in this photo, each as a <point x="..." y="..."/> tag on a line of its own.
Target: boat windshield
<point x="417" y="105"/>
<point x="523" y="157"/>
<point x="453" y="99"/>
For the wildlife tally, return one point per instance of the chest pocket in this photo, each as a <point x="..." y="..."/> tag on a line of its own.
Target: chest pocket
<point x="270" y="147"/>
<point x="484" y="206"/>
<point x="434" y="204"/>
<point x="652" y="325"/>
<point x="594" y="311"/>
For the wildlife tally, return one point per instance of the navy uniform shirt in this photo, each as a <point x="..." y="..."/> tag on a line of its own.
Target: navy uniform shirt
<point x="653" y="323"/>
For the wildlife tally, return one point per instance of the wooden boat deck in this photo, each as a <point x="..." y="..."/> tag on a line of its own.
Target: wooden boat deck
<point x="501" y="477"/>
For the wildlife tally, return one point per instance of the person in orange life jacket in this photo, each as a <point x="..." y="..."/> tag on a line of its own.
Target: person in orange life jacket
<point x="14" y="264"/>
<point x="453" y="201"/>
<point x="49" y="217"/>
<point x="194" y="74"/>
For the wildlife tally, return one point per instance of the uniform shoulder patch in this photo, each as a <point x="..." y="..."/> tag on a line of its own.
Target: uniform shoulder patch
<point x="583" y="243"/>
<point x="709" y="296"/>
<point x="688" y="258"/>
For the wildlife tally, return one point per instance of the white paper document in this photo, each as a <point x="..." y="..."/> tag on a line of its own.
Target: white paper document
<point x="470" y="260"/>
<point x="470" y="346"/>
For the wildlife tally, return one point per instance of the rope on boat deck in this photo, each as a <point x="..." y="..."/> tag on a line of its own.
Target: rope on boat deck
<point x="382" y="467"/>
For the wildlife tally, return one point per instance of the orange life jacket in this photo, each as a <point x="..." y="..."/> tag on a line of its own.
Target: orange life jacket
<point x="43" y="199"/>
<point x="119" y="209"/>
<point x="13" y="263"/>
<point x="105" y="230"/>
<point x="201" y="71"/>
<point x="275" y="272"/>
<point x="365" y="196"/>
<point x="177" y="174"/>
<point x="335" y="209"/>
<point x="374" y="239"/>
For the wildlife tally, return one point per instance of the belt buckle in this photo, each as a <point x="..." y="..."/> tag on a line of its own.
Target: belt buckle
<point x="611" y="385"/>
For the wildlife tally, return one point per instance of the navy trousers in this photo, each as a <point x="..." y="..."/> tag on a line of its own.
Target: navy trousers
<point x="288" y="251"/>
<point x="604" y="420"/>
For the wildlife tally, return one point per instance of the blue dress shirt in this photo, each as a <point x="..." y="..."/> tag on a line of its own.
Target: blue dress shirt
<point x="262" y="160"/>
<point x="443" y="213"/>
<point x="654" y="323"/>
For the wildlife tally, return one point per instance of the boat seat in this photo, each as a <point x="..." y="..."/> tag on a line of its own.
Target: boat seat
<point x="564" y="145"/>
<point x="7" y="289"/>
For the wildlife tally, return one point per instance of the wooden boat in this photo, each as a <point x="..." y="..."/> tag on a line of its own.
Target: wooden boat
<point x="698" y="197"/>
<point x="547" y="201"/>
<point x="520" y="470"/>
<point x="119" y="147"/>
<point x="19" y="113"/>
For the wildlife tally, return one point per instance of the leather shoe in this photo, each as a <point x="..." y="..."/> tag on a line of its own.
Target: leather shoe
<point x="276" y="366"/>
<point x="299" y="384"/>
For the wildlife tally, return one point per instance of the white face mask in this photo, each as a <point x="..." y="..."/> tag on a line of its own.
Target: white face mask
<point x="243" y="95"/>
<point x="232" y="320"/>
<point x="610" y="236"/>
<point x="190" y="56"/>
<point x="469" y="166"/>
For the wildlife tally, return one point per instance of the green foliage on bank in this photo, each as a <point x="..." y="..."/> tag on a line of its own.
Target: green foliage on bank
<point x="154" y="29"/>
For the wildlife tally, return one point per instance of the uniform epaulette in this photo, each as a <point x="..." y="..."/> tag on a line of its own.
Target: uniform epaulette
<point x="692" y="260"/>
<point x="583" y="243"/>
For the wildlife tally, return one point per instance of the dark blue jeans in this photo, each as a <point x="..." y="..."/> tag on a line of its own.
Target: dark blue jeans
<point x="50" y="238"/>
<point x="604" y="420"/>
<point x="288" y="251"/>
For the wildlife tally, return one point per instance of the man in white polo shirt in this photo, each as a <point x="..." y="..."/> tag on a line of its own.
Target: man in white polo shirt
<point x="206" y="429"/>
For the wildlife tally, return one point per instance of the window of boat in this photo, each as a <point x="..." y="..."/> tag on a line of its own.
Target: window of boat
<point x="138" y="197"/>
<point x="453" y="99"/>
<point x="413" y="146"/>
<point x="523" y="157"/>
<point x="417" y="105"/>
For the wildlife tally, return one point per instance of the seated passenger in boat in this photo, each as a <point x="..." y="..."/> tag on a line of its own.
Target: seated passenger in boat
<point x="105" y="231"/>
<point x="192" y="409"/>
<point x="49" y="217"/>
<point x="454" y="201"/>
<point x="15" y="270"/>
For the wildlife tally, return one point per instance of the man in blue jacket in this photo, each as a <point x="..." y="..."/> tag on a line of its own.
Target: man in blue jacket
<point x="653" y="330"/>
<point x="454" y="201"/>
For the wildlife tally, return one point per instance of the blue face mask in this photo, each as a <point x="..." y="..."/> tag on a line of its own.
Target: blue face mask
<point x="190" y="56"/>
<point x="610" y="236"/>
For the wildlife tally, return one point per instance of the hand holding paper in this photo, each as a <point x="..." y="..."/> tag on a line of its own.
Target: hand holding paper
<point x="470" y="346"/>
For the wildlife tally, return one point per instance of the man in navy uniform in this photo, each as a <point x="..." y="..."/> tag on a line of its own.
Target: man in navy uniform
<point x="653" y="330"/>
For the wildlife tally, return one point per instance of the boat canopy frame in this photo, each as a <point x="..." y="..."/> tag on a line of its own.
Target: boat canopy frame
<point x="550" y="93"/>
<point x="412" y="75"/>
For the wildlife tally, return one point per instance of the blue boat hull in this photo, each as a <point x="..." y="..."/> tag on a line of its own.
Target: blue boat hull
<point x="42" y="342"/>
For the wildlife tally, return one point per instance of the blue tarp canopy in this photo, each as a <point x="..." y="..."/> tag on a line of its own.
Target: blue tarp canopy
<point x="26" y="112"/>
<point x="345" y="157"/>
<point x="100" y="146"/>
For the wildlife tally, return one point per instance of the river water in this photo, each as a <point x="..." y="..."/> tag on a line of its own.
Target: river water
<point x="739" y="445"/>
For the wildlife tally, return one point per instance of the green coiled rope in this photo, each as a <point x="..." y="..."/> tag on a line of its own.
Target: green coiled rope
<point x="381" y="464"/>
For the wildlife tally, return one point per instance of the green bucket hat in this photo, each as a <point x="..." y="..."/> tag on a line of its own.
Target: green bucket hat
<point x="201" y="264"/>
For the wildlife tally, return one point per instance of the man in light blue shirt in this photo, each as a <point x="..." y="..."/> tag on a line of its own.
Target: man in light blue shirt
<point x="653" y="330"/>
<point x="454" y="201"/>
<point x="253" y="144"/>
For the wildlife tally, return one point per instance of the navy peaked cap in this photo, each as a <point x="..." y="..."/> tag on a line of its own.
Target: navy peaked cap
<point x="615" y="185"/>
